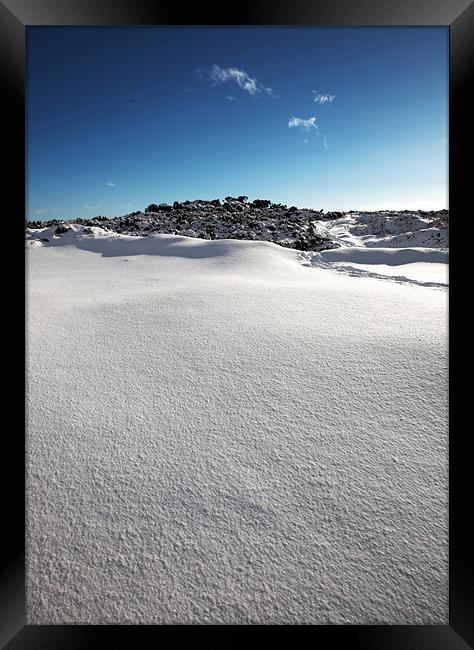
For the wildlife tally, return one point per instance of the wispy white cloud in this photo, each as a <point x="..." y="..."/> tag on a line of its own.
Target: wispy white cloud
<point x="323" y="98"/>
<point x="304" y="125"/>
<point x="242" y="78"/>
<point x="199" y="73"/>
<point x="110" y="184"/>
<point x="40" y="211"/>
<point x="94" y="207"/>
<point x="230" y="98"/>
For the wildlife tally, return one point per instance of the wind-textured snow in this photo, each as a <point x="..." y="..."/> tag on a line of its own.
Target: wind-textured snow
<point x="234" y="432"/>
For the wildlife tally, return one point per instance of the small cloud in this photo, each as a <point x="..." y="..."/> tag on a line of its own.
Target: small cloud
<point x="323" y="98"/>
<point x="40" y="211"/>
<point x="306" y="141"/>
<point x="325" y="142"/>
<point x="242" y="78"/>
<point x="94" y="207"/>
<point x="110" y="184"/>
<point x="304" y="125"/>
<point x="199" y="73"/>
<point x="230" y="98"/>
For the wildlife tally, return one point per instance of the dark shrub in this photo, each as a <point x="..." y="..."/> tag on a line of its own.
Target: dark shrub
<point x="261" y="203"/>
<point x="153" y="207"/>
<point x="61" y="229"/>
<point x="34" y="224"/>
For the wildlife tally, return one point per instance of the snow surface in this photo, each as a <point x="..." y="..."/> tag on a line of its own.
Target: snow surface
<point x="235" y="432"/>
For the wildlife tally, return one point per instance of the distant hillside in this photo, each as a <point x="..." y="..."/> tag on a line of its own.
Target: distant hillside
<point x="237" y="218"/>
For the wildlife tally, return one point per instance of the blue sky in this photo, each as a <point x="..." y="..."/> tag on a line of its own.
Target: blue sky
<point x="328" y="118"/>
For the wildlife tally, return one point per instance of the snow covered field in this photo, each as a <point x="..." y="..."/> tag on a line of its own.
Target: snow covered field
<point x="235" y="432"/>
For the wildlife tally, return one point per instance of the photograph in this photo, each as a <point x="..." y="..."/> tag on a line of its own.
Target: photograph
<point x="237" y="243"/>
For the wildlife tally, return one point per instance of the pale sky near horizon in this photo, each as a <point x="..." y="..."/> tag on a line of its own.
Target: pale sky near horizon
<point x="327" y="118"/>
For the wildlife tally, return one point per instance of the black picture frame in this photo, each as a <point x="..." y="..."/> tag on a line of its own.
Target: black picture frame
<point x="15" y="17"/>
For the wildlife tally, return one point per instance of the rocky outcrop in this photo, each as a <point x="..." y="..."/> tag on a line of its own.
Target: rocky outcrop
<point x="233" y="218"/>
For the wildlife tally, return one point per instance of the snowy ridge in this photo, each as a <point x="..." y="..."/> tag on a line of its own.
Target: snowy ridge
<point x="389" y="229"/>
<point x="302" y="229"/>
<point x="403" y="247"/>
